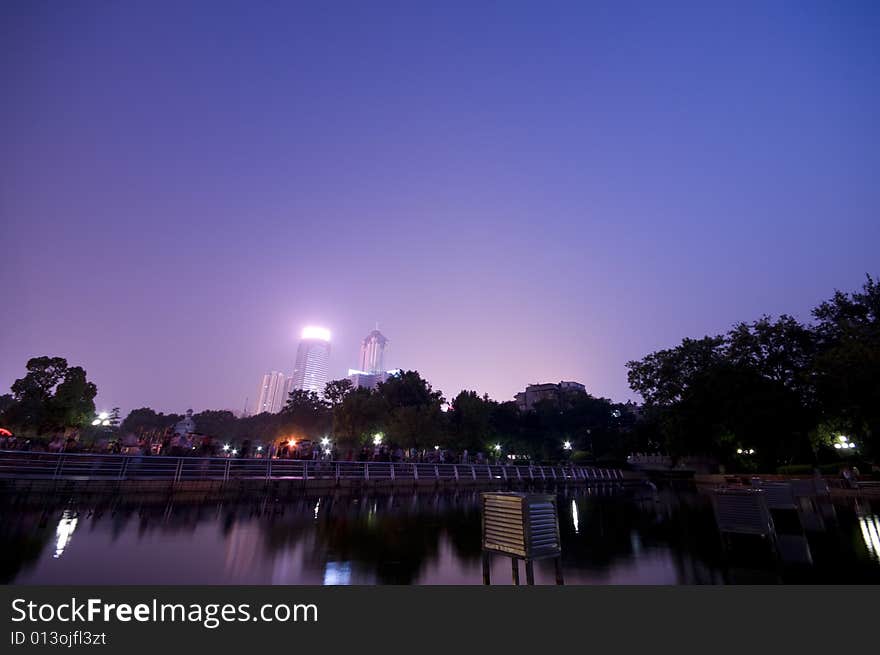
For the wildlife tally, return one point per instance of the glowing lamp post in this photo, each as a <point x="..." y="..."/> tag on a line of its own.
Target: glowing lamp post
<point x="103" y="418"/>
<point x="843" y="443"/>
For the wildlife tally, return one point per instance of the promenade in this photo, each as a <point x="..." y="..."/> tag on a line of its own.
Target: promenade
<point x="21" y="468"/>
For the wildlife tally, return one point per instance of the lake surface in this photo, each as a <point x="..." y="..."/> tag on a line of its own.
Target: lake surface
<point x="608" y="537"/>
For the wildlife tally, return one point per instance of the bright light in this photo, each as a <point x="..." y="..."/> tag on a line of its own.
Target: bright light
<point x="842" y="438"/>
<point x="498" y="446"/>
<point x="739" y="451"/>
<point x="259" y="449"/>
<point x="319" y="333"/>
<point x="64" y="531"/>
<point x="327" y="452"/>
<point x="574" y="516"/>
<point x="850" y="445"/>
<point x="234" y="451"/>
<point x="377" y="438"/>
<point x="566" y="445"/>
<point x="436" y="447"/>
<point x="751" y="451"/>
<point x="291" y="443"/>
<point x="105" y="423"/>
<point x="97" y="421"/>
<point x="325" y="441"/>
<point x="226" y="448"/>
<point x="103" y="415"/>
<point x="838" y="446"/>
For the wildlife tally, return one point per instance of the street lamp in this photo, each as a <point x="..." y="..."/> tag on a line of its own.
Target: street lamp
<point x="377" y="438"/>
<point x="103" y="418"/>
<point x="325" y="442"/>
<point x="226" y="448"/>
<point x="566" y="445"/>
<point x="498" y="448"/>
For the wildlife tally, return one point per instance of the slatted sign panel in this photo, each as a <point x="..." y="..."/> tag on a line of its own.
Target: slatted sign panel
<point x="742" y="511"/>
<point x="519" y="524"/>
<point x="543" y="526"/>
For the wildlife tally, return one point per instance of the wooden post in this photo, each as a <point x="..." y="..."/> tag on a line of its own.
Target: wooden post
<point x="530" y="572"/>
<point x="485" y="568"/>
<point x="557" y="563"/>
<point x="514" y="563"/>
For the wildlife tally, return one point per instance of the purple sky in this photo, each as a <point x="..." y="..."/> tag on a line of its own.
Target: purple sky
<point x="517" y="192"/>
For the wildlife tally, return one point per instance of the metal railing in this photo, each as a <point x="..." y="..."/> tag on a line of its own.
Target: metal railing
<point x="16" y="464"/>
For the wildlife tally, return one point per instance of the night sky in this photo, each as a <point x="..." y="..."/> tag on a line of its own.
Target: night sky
<point x="516" y="192"/>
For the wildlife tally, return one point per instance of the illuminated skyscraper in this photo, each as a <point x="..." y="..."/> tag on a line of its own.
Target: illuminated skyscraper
<point x="373" y="353"/>
<point x="312" y="358"/>
<point x="272" y="394"/>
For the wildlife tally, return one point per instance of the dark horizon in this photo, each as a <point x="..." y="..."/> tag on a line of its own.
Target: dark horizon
<point x="516" y="194"/>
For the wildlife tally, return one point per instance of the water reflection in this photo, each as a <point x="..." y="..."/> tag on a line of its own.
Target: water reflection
<point x="608" y="536"/>
<point x="869" y="525"/>
<point x="64" y="531"/>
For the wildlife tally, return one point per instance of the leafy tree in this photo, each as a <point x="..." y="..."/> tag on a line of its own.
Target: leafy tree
<point x="847" y="368"/>
<point x="144" y="419"/>
<point x="220" y="424"/>
<point x="52" y="396"/>
<point x="335" y="391"/>
<point x="360" y="414"/>
<point x="306" y="413"/>
<point x="662" y="378"/>
<point x="470" y="421"/>
<point x="414" y="415"/>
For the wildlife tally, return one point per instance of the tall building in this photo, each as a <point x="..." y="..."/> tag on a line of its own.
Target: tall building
<point x="312" y="358"/>
<point x="272" y="394"/>
<point x="373" y="353"/>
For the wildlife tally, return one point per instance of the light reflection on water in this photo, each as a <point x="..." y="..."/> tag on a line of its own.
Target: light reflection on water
<point x="402" y="538"/>
<point x="869" y="524"/>
<point x="64" y="532"/>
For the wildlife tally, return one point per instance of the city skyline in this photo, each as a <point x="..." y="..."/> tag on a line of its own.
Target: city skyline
<point x="526" y="195"/>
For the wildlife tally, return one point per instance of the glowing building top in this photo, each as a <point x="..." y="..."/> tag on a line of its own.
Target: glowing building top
<point x="312" y="360"/>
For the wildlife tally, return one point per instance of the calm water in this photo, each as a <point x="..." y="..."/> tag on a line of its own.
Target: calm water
<point x="406" y="538"/>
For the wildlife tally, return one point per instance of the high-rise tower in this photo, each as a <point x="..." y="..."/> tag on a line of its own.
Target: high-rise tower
<point x="272" y="395"/>
<point x="312" y="358"/>
<point x="373" y="353"/>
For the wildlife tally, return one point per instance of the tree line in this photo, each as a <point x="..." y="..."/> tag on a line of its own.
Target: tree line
<point x="771" y="392"/>
<point x="409" y="414"/>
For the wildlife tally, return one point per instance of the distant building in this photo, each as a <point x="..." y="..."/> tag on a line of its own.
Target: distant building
<point x="366" y="380"/>
<point x="534" y="393"/>
<point x="186" y="425"/>
<point x="373" y="352"/>
<point x="272" y="394"/>
<point x="312" y="360"/>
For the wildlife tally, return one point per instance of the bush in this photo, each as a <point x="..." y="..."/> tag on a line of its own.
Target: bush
<point x="580" y="456"/>
<point x="825" y="469"/>
<point x="796" y="469"/>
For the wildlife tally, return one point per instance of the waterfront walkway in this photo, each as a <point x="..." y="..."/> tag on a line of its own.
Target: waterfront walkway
<point x="27" y="465"/>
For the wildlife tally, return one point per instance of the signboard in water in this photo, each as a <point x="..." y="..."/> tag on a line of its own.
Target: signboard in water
<point x="522" y="525"/>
